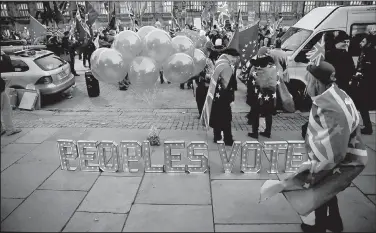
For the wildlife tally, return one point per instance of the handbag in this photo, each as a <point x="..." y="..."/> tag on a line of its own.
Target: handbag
<point x="285" y="96"/>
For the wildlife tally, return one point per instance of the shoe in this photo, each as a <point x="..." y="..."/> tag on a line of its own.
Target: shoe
<point x="168" y="82"/>
<point x="216" y="140"/>
<point x="75" y="74"/>
<point x="182" y="86"/>
<point x="253" y="135"/>
<point x="2" y="132"/>
<point x="366" y="131"/>
<point x="265" y="134"/>
<point x="229" y="143"/>
<point x="15" y="131"/>
<point x="311" y="229"/>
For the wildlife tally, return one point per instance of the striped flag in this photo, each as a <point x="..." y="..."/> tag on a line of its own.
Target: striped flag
<point x="318" y="52"/>
<point x="335" y="149"/>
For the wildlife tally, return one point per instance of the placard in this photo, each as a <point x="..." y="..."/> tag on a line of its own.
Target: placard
<point x="28" y="100"/>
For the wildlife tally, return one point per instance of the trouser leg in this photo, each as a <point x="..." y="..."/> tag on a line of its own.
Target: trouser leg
<point x="255" y="118"/>
<point x="217" y="134"/>
<point x="366" y="119"/>
<point x="227" y="134"/>
<point x="268" y="122"/>
<point x="6" y="112"/>
<point x="321" y="214"/>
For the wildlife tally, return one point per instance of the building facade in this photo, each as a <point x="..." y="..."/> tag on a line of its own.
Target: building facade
<point x="16" y="14"/>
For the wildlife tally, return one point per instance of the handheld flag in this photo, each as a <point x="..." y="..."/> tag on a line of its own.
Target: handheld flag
<point x="112" y="24"/>
<point x="248" y="44"/>
<point x="91" y="13"/>
<point x="318" y="52"/>
<point x="36" y="29"/>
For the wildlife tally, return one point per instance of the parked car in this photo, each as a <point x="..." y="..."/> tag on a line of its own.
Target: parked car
<point x="301" y="37"/>
<point x="47" y="72"/>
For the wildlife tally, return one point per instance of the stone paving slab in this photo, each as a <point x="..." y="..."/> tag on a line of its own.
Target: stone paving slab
<point x="111" y="195"/>
<point x="67" y="133"/>
<point x="20" y="180"/>
<point x="259" y="228"/>
<point x="372" y="198"/>
<point x="44" y="153"/>
<point x="37" y="135"/>
<point x="357" y="212"/>
<point x="95" y="222"/>
<point x="367" y="184"/>
<point x="169" y="218"/>
<point x="13" y="152"/>
<point x="174" y="189"/>
<point x="44" y="211"/>
<point x="8" y="205"/>
<point x="70" y="180"/>
<point x="370" y="168"/>
<point x="6" y="140"/>
<point x="236" y="202"/>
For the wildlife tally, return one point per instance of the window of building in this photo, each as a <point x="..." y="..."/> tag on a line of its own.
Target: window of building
<point x="4" y="9"/>
<point x="123" y="8"/>
<point x="195" y="6"/>
<point x="356" y="3"/>
<point x="308" y="6"/>
<point x="39" y="6"/>
<point x="264" y="7"/>
<point x="243" y="6"/>
<point x="23" y="9"/>
<point x="286" y="7"/>
<point x="167" y="7"/>
<point x="103" y="9"/>
<point x="149" y="7"/>
<point x="332" y="3"/>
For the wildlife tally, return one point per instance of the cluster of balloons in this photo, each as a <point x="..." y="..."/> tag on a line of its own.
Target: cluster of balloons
<point x="143" y="55"/>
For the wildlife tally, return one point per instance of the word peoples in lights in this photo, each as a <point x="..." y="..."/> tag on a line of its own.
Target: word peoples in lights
<point x="107" y="156"/>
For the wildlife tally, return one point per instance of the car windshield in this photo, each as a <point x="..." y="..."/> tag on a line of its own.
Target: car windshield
<point x="293" y="38"/>
<point x="49" y="62"/>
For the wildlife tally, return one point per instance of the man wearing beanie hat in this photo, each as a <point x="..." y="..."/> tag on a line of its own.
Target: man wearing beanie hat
<point x="341" y="59"/>
<point x="333" y="112"/>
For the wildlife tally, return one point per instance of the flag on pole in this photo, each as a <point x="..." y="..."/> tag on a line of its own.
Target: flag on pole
<point x="82" y="28"/>
<point x="336" y="151"/>
<point x="112" y="23"/>
<point x="248" y="44"/>
<point x="91" y="13"/>
<point x="36" y="29"/>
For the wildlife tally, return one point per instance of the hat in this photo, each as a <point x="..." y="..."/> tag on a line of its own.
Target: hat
<point x="231" y="51"/>
<point x="263" y="51"/>
<point x="341" y="37"/>
<point x="322" y="72"/>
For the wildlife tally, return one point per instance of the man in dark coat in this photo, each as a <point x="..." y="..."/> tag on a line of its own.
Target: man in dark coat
<point x="342" y="60"/>
<point x="221" y="113"/>
<point x="68" y="47"/>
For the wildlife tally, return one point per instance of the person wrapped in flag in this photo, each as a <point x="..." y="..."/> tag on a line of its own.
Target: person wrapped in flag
<point x="335" y="150"/>
<point x="261" y="92"/>
<point x="217" y="108"/>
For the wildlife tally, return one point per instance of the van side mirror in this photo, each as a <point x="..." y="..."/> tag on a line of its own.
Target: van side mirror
<point x="301" y="57"/>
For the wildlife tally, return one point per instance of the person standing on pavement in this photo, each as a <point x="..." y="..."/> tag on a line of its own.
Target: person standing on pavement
<point x="342" y="60"/>
<point x="6" y="109"/>
<point x="221" y="113"/>
<point x="261" y="92"/>
<point x="68" y="49"/>
<point x="363" y="82"/>
<point x="201" y="85"/>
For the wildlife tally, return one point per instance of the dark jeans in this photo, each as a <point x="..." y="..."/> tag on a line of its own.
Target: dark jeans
<point x="334" y="220"/>
<point x="86" y="57"/>
<point x="254" y="117"/>
<point x="365" y="116"/>
<point x="72" y="63"/>
<point x="226" y="133"/>
<point x="201" y="92"/>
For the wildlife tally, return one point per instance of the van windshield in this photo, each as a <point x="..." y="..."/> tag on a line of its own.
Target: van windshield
<point x="293" y="38"/>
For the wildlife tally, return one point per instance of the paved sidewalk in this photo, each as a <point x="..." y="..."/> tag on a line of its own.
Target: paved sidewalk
<point x="36" y="195"/>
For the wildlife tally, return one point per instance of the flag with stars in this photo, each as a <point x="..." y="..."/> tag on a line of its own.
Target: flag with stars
<point x="336" y="154"/>
<point x="248" y="43"/>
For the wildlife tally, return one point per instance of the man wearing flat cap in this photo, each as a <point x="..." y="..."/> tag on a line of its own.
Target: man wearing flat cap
<point x="220" y="116"/>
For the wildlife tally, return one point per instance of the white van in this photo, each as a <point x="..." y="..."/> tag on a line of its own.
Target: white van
<point x="301" y="38"/>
